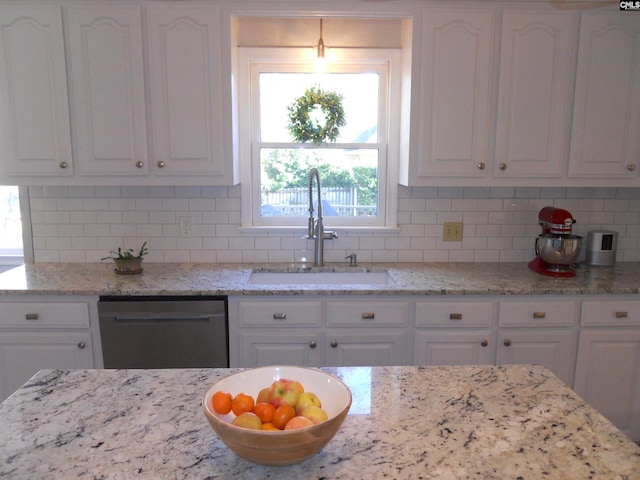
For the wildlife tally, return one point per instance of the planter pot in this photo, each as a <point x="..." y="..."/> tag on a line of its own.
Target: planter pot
<point x="128" y="267"/>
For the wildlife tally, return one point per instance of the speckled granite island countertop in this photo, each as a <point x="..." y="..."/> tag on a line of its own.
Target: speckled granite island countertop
<point x="234" y="279"/>
<point x="474" y="422"/>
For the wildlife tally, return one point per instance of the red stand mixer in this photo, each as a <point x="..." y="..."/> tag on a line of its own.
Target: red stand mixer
<point x="556" y="248"/>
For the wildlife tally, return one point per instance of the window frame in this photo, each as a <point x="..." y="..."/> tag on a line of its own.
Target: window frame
<point x="10" y="258"/>
<point x="254" y="60"/>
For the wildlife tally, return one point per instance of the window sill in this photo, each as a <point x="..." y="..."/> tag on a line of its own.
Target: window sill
<point x="302" y="230"/>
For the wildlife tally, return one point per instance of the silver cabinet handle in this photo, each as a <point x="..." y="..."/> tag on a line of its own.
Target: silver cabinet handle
<point x="139" y="164"/>
<point x="81" y="345"/>
<point x="507" y="343"/>
<point x="279" y="316"/>
<point x="622" y="314"/>
<point x="160" y="164"/>
<point x="455" y="316"/>
<point x="63" y="165"/>
<point x="484" y="343"/>
<point x="502" y="166"/>
<point x="313" y="344"/>
<point x="631" y="167"/>
<point x="539" y="314"/>
<point x="481" y="166"/>
<point x="368" y="316"/>
<point x="31" y="316"/>
<point x="334" y="344"/>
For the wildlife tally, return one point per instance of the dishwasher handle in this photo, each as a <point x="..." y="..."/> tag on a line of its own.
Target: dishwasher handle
<point x="164" y="318"/>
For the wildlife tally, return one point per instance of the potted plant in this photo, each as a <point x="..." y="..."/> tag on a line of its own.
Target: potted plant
<point x="127" y="262"/>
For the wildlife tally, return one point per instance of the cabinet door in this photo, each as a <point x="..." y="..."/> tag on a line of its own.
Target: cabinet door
<point x="108" y="89"/>
<point x="606" y="119"/>
<point x="536" y="63"/>
<point x="185" y="76"/>
<point x="455" y="94"/>
<point x="259" y="349"/>
<point x="469" y="347"/>
<point x="22" y="354"/>
<point x="35" y="135"/>
<point x="344" y="348"/>
<point x="555" y="349"/>
<point x="608" y="376"/>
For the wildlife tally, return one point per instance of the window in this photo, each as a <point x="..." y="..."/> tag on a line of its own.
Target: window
<point x="358" y="186"/>
<point x="11" y="247"/>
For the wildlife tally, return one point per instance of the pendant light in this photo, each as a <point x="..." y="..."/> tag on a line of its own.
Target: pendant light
<point x="321" y="62"/>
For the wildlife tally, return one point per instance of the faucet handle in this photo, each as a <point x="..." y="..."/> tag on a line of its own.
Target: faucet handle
<point x="352" y="260"/>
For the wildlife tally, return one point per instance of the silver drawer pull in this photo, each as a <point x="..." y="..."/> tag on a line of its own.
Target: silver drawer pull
<point x="81" y="345"/>
<point x="279" y="316"/>
<point x="455" y="316"/>
<point x="622" y="314"/>
<point x="539" y="314"/>
<point x="31" y="316"/>
<point x="368" y="316"/>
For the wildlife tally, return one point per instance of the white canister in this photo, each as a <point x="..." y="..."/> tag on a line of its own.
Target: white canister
<point x="601" y="248"/>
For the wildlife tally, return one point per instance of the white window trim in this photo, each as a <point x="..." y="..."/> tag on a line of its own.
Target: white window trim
<point x="247" y="133"/>
<point x="8" y="258"/>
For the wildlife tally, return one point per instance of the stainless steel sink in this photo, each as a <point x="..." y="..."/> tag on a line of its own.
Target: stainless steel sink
<point x="320" y="278"/>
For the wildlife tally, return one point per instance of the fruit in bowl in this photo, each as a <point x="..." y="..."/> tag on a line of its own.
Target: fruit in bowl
<point x="278" y="446"/>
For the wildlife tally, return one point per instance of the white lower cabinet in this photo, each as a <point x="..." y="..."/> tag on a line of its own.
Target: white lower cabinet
<point x="446" y="347"/>
<point x="309" y="331"/>
<point x="374" y="347"/>
<point x="555" y="349"/>
<point x="539" y="330"/>
<point x="48" y="334"/>
<point x="22" y="354"/>
<point x="608" y="363"/>
<point x="454" y="333"/>
<point x="295" y="347"/>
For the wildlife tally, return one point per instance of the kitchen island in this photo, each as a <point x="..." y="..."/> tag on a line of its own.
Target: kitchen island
<point x="480" y="422"/>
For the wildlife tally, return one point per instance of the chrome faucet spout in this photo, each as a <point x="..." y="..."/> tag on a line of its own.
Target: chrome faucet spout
<point x="315" y="225"/>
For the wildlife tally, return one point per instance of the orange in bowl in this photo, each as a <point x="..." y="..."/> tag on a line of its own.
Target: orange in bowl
<point x="276" y="447"/>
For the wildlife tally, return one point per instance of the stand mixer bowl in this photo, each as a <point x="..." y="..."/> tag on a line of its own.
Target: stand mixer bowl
<point x="558" y="251"/>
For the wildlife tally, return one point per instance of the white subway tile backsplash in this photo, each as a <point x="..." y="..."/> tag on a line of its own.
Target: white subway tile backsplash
<point x="81" y="224"/>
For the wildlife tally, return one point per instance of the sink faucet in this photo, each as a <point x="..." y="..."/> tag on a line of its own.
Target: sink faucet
<point x="316" y="228"/>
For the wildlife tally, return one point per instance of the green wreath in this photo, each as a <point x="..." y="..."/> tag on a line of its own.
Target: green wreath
<point x="303" y="128"/>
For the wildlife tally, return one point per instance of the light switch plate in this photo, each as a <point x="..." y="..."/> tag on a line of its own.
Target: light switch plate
<point x="452" y="232"/>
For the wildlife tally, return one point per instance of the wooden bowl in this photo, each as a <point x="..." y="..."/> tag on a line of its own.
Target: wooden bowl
<point x="284" y="447"/>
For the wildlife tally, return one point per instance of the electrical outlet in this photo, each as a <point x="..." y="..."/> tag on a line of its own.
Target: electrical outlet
<point x="452" y="232"/>
<point x="186" y="227"/>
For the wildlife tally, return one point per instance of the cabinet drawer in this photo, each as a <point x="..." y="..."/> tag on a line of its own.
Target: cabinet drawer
<point x="48" y="315"/>
<point x="281" y="313"/>
<point x="536" y="313"/>
<point x="453" y="314"/>
<point x="610" y="312"/>
<point x="367" y="312"/>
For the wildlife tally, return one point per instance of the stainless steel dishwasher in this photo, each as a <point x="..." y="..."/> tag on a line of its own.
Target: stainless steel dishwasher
<point x="164" y="332"/>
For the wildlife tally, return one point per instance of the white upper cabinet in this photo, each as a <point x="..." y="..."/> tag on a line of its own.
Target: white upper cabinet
<point x="185" y="74"/>
<point x="108" y="89"/>
<point x="35" y="136"/>
<point x="605" y="141"/>
<point x="455" y="102"/>
<point x="534" y="102"/>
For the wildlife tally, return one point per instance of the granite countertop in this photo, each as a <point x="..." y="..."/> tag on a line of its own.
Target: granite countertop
<point x="477" y="422"/>
<point x="233" y="279"/>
